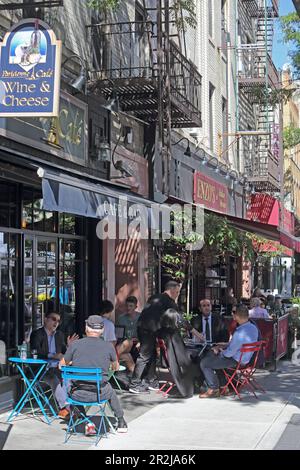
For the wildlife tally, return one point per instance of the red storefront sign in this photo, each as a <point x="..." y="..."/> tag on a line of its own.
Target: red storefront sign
<point x="210" y="193"/>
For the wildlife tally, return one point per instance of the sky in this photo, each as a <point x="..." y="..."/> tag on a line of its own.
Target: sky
<point x="280" y="50"/>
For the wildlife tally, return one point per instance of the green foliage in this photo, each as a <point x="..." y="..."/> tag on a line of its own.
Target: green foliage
<point x="295" y="300"/>
<point x="226" y="239"/>
<point x="182" y="12"/>
<point x="189" y="316"/>
<point x="262" y="250"/>
<point x="272" y="97"/>
<point x="290" y="25"/>
<point x="291" y="137"/>
<point x="177" y="258"/>
<point x="104" y="5"/>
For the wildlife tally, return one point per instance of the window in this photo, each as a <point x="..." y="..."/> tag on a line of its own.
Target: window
<point x="31" y="11"/>
<point x="8" y="205"/>
<point x="211" y="116"/>
<point x="33" y="216"/>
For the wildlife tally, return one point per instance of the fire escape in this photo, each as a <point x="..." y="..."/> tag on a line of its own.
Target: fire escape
<point x="143" y="67"/>
<point x="257" y="76"/>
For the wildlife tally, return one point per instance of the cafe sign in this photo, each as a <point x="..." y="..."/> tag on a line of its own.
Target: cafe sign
<point x="210" y="193"/>
<point x="70" y="127"/>
<point x="30" y="60"/>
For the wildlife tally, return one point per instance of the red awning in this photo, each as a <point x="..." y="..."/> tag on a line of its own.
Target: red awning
<point x="290" y="241"/>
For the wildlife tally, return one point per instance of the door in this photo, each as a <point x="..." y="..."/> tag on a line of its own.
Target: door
<point x="40" y="279"/>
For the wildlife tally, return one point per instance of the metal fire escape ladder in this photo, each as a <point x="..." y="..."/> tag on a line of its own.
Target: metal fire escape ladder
<point x="257" y="76"/>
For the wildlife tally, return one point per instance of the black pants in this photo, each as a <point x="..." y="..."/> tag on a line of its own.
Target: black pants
<point x="106" y="392"/>
<point x="146" y="362"/>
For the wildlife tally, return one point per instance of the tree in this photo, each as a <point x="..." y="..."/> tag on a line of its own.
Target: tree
<point x="291" y="137"/>
<point x="183" y="12"/>
<point x="290" y="25"/>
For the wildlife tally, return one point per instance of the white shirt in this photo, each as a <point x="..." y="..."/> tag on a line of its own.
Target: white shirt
<point x="109" y="330"/>
<point x="204" y="327"/>
<point x="258" y="312"/>
<point x="197" y="340"/>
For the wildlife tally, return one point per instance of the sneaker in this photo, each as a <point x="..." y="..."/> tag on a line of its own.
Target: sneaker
<point x="90" y="429"/>
<point x="138" y="389"/>
<point x="122" y="426"/>
<point x="64" y="413"/>
<point x="153" y="385"/>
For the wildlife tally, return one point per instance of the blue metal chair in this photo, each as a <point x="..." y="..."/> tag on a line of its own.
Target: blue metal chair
<point x="77" y="417"/>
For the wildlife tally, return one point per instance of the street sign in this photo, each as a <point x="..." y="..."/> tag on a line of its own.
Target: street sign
<point x="30" y="61"/>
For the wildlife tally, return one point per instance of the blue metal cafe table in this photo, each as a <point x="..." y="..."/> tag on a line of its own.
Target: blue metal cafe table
<point x="32" y="371"/>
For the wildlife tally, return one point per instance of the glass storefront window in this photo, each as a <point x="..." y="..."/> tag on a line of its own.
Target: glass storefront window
<point x="71" y="225"/>
<point x="33" y="215"/>
<point x="8" y="205"/>
<point x="70" y="282"/>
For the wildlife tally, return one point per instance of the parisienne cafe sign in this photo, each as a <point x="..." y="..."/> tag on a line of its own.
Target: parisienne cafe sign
<point x="30" y="61"/>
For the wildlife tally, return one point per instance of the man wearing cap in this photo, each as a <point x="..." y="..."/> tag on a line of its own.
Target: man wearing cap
<point x="93" y="352"/>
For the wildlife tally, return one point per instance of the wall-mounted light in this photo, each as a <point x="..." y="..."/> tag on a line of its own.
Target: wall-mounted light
<point x="104" y="152"/>
<point x="79" y="84"/>
<point x="188" y="152"/>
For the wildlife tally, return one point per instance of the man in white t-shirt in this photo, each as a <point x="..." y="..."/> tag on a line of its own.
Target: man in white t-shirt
<point x="105" y="311"/>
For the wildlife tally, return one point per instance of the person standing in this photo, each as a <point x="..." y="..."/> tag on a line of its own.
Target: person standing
<point x="148" y="326"/>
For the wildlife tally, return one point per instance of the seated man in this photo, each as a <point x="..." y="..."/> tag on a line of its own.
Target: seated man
<point x="50" y="344"/>
<point x="219" y="358"/>
<point x="129" y="321"/>
<point x="105" y="311"/>
<point x="256" y="310"/>
<point x="93" y="352"/>
<point x="210" y="325"/>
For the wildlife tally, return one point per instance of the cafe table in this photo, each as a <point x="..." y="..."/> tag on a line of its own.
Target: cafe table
<point x="32" y="372"/>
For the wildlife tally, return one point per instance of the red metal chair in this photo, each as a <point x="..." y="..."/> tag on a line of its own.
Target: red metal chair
<point x="163" y="349"/>
<point x="243" y="375"/>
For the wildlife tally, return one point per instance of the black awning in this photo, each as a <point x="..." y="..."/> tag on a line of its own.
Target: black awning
<point x="64" y="193"/>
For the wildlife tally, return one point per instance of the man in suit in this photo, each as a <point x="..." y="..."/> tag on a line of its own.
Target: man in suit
<point x="213" y="330"/>
<point x="210" y="325"/>
<point x="50" y="344"/>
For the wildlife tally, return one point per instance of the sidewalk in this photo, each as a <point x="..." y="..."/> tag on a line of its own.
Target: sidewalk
<point x="272" y="422"/>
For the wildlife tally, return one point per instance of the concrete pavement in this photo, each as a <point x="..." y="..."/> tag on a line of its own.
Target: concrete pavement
<point x="272" y="422"/>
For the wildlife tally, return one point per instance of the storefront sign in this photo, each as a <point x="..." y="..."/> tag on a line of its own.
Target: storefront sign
<point x="70" y="126"/>
<point x="210" y="193"/>
<point x="30" y="62"/>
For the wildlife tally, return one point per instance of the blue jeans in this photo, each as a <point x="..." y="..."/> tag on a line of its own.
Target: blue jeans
<point x="212" y="362"/>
